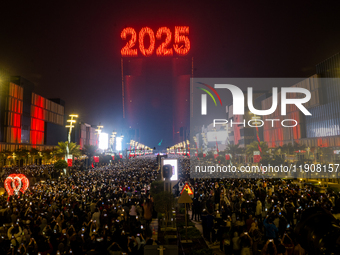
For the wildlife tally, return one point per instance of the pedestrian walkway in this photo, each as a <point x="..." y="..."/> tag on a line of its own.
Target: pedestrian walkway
<point x="214" y="247"/>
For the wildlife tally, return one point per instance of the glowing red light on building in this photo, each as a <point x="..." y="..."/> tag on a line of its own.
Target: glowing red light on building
<point x="180" y="39"/>
<point x="127" y="49"/>
<point x="142" y="33"/>
<point x="181" y="43"/>
<point x="163" y="49"/>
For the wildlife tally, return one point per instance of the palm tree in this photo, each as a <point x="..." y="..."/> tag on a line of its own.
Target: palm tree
<point x="4" y="155"/>
<point x="34" y="153"/>
<point x="89" y="150"/>
<point x="250" y="148"/>
<point x="22" y="153"/>
<point x="299" y="147"/>
<point x="233" y="150"/>
<point x="48" y="154"/>
<point x="287" y="149"/>
<point x="324" y="153"/>
<point x="74" y="149"/>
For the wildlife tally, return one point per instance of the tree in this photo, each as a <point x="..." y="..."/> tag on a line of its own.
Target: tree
<point x="156" y="187"/>
<point x="298" y="147"/>
<point x="324" y="153"/>
<point x="287" y="149"/>
<point x="60" y="164"/>
<point x="221" y="159"/>
<point x="4" y="155"/>
<point x="234" y="149"/>
<point x="34" y="153"/>
<point x="164" y="202"/>
<point x="250" y="148"/>
<point x="105" y="159"/>
<point x="276" y="161"/>
<point x="48" y="154"/>
<point x="89" y="150"/>
<point x="74" y="149"/>
<point x="22" y="153"/>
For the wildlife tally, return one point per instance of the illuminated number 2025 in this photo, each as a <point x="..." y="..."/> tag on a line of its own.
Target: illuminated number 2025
<point x="181" y="41"/>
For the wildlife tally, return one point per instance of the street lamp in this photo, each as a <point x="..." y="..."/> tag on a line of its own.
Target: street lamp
<point x="71" y="121"/>
<point x="113" y="140"/>
<point x="98" y="131"/>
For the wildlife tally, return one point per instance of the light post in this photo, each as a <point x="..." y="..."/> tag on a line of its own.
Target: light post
<point x="98" y="131"/>
<point x="71" y="121"/>
<point x="113" y="140"/>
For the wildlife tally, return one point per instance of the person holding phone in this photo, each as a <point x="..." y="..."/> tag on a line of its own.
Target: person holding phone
<point x="269" y="248"/>
<point x="288" y="243"/>
<point x="140" y="240"/>
<point x="256" y="236"/>
<point x="132" y="244"/>
<point x="271" y="229"/>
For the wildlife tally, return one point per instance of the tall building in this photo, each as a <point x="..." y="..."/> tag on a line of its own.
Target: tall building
<point x="169" y="79"/>
<point x="28" y="120"/>
<point x="279" y="135"/>
<point x="84" y="134"/>
<point x="322" y="128"/>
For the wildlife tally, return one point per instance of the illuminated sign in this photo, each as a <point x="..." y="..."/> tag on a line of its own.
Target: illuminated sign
<point x="103" y="141"/>
<point x="174" y="164"/>
<point x="188" y="189"/>
<point x="147" y="42"/>
<point x="15" y="183"/>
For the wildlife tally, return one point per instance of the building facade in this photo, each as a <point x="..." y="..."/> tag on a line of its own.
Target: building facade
<point x="28" y="120"/>
<point x="322" y="127"/>
<point x="84" y="134"/>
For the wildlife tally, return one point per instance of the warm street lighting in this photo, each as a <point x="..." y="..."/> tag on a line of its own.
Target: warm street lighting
<point x="112" y="139"/>
<point x="98" y="130"/>
<point x="71" y="121"/>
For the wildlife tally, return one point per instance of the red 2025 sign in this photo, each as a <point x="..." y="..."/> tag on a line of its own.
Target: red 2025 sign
<point x="181" y="43"/>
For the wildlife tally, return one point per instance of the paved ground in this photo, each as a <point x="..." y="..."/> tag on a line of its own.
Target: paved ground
<point x="214" y="247"/>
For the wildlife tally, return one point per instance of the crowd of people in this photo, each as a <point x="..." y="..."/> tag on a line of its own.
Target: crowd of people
<point x="255" y="215"/>
<point x="108" y="209"/>
<point x="102" y="210"/>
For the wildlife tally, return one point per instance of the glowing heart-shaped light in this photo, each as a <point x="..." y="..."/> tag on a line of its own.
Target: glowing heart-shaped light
<point x="15" y="183"/>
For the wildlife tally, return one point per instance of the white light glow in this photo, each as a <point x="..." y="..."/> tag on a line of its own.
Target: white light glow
<point x="103" y="141"/>
<point x="119" y="143"/>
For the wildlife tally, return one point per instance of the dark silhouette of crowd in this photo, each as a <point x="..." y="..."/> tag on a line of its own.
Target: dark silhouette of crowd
<point x="108" y="210"/>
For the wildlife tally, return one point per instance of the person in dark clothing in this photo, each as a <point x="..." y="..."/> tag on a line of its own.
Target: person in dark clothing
<point x="271" y="229"/>
<point x="204" y="224"/>
<point x="196" y="209"/>
<point x="210" y="225"/>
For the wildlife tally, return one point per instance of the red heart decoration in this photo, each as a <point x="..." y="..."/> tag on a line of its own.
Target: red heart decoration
<point x="15" y="183"/>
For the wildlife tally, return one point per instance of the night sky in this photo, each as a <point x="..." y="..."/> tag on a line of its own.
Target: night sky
<point x="71" y="49"/>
